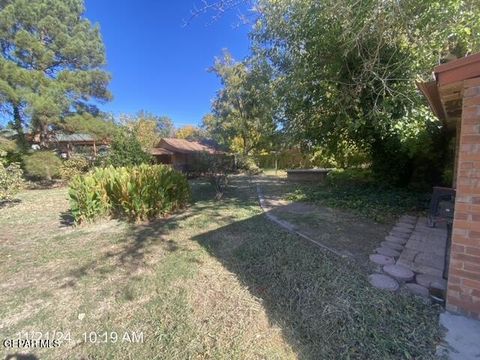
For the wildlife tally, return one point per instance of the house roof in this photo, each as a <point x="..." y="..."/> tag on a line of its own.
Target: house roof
<point x="184" y="146"/>
<point x="160" y="151"/>
<point x="445" y="93"/>
<point x="77" y="137"/>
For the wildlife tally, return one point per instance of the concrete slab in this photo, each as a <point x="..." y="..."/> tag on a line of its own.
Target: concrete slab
<point x="408" y="218"/>
<point x="461" y="339"/>
<point x="405" y="225"/>
<point x="399" y="272"/>
<point x="387" y="251"/>
<point x="402" y="229"/>
<point x="432" y="260"/>
<point x="431" y="281"/>
<point x="397" y="240"/>
<point x="392" y="245"/>
<point x="399" y="234"/>
<point x="422" y="269"/>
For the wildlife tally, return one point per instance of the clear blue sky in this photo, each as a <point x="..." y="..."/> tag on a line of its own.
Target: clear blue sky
<point x="159" y="65"/>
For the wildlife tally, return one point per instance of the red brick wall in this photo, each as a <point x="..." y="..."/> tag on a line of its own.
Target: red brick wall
<point x="463" y="293"/>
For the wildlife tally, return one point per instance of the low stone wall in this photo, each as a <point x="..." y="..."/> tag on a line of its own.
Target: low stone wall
<point x="316" y="175"/>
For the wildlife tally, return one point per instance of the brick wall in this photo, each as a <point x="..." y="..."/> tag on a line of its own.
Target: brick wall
<point x="463" y="293"/>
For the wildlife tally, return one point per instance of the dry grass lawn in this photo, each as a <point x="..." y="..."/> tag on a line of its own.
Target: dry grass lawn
<point x="216" y="282"/>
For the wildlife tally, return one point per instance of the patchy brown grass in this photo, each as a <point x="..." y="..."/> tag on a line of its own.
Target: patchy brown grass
<point x="218" y="281"/>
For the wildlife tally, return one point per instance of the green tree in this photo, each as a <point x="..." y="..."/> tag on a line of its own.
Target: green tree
<point x="243" y="116"/>
<point x="345" y="73"/>
<point x="51" y="63"/>
<point x="190" y="132"/>
<point x="126" y="150"/>
<point x="148" y="128"/>
<point x="100" y="126"/>
<point x="165" y="126"/>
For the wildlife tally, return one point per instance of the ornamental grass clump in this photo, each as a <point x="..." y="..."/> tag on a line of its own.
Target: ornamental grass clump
<point x="137" y="193"/>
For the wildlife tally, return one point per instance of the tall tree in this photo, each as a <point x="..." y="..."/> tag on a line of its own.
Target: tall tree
<point x="51" y="63"/>
<point x="243" y="109"/>
<point x="147" y="127"/>
<point x="346" y="71"/>
<point x="190" y="132"/>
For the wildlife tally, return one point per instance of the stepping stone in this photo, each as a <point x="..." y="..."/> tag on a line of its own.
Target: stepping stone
<point x="383" y="282"/>
<point x="402" y="230"/>
<point x="395" y="239"/>
<point x="431" y="281"/>
<point x="408" y="219"/>
<point x="439" y="284"/>
<point x="382" y="259"/>
<point x="399" y="272"/>
<point x="387" y="251"/>
<point x="392" y="245"/>
<point x="399" y="234"/>
<point x="405" y="225"/>
<point x="418" y="290"/>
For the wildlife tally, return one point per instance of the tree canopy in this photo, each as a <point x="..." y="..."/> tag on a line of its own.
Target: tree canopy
<point x="342" y="75"/>
<point x="148" y="128"/>
<point x="190" y="132"/>
<point x="243" y="111"/>
<point x="51" y="64"/>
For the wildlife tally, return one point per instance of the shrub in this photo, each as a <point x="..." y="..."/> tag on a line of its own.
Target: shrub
<point x="74" y="166"/>
<point x="358" y="191"/>
<point x="247" y="164"/>
<point x="10" y="178"/>
<point x="126" y="150"/>
<point x="215" y="168"/>
<point x="10" y="152"/>
<point x="43" y="165"/>
<point x="137" y="193"/>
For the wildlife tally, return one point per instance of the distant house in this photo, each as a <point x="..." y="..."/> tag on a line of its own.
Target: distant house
<point x="68" y="144"/>
<point x="64" y="144"/>
<point x="180" y="153"/>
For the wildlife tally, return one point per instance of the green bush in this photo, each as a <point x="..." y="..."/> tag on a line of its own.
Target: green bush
<point x="74" y="166"/>
<point x="10" y="178"/>
<point x="43" y="165"/>
<point x="357" y="190"/>
<point x="137" y="193"/>
<point x="215" y="167"/>
<point x="11" y="153"/>
<point x="247" y="164"/>
<point x="126" y="150"/>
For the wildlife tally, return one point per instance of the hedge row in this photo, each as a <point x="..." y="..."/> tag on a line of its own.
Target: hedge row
<point x="137" y="193"/>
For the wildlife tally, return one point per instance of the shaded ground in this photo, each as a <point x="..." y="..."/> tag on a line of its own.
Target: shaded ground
<point x="340" y="230"/>
<point x="218" y="281"/>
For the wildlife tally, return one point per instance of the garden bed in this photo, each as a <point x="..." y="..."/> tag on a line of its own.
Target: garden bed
<point x="317" y="175"/>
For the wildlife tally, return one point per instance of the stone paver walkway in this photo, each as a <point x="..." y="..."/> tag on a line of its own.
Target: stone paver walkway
<point x="418" y="253"/>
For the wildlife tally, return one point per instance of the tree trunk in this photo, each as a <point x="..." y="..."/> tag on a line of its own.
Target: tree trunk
<point x="17" y="125"/>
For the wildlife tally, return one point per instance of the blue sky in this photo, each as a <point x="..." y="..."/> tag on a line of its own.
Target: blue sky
<point x="157" y="63"/>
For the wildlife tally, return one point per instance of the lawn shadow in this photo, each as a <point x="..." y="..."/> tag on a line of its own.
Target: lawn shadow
<point x="18" y="356"/>
<point x="66" y="219"/>
<point x="285" y="271"/>
<point x="140" y="239"/>
<point x="9" y="203"/>
<point x="323" y="303"/>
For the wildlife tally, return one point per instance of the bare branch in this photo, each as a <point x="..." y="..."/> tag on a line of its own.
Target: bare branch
<point x="217" y="9"/>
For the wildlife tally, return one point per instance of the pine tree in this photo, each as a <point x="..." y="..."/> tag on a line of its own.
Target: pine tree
<point x="51" y="63"/>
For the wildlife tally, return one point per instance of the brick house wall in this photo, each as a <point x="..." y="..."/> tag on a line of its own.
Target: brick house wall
<point x="463" y="294"/>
